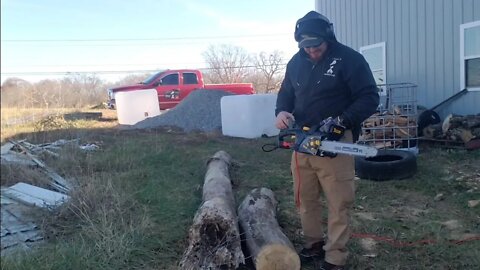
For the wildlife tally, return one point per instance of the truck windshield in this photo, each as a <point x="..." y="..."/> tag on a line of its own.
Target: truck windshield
<point x="152" y="78"/>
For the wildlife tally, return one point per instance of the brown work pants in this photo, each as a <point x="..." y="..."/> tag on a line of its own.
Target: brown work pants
<point x="335" y="178"/>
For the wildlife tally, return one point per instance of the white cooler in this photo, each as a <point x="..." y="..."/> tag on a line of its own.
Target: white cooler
<point x="249" y="116"/>
<point x="135" y="106"/>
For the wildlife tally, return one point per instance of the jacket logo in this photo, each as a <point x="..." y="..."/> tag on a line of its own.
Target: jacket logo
<point x="330" y="71"/>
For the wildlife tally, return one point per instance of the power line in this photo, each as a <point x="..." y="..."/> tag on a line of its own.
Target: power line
<point x="35" y="73"/>
<point x="141" y="39"/>
<point x="155" y="43"/>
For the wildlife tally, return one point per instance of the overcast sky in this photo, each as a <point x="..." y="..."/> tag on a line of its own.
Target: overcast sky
<point x="43" y="38"/>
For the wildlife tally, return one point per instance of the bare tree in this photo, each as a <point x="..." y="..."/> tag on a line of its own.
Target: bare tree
<point x="16" y="93"/>
<point x="83" y="89"/>
<point x="272" y="67"/>
<point x="47" y="90"/>
<point x="227" y="63"/>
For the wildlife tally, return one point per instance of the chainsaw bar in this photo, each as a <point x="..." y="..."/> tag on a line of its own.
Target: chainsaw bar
<point x="348" y="148"/>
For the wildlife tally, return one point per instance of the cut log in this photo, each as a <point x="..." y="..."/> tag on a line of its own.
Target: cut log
<point x="433" y="131"/>
<point x="386" y="144"/>
<point x="396" y="120"/>
<point x="468" y="121"/>
<point x="214" y="237"/>
<point x="446" y="123"/>
<point x="269" y="248"/>
<point x="383" y="133"/>
<point x="405" y="132"/>
<point x="461" y="134"/>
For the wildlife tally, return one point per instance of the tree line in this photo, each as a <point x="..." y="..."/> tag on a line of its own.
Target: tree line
<point x="225" y="64"/>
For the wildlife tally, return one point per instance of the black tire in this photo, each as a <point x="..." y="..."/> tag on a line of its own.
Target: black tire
<point x="427" y="118"/>
<point x="387" y="165"/>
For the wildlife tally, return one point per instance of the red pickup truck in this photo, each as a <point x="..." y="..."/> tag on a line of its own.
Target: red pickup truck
<point x="174" y="85"/>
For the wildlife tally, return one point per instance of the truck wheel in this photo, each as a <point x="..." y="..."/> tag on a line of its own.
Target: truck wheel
<point x="387" y="165"/>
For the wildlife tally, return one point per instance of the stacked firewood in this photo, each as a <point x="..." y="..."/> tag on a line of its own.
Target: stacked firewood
<point x="455" y="128"/>
<point x="388" y="129"/>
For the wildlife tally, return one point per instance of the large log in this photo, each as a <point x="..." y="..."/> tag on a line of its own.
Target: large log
<point x="214" y="237"/>
<point x="269" y="248"/>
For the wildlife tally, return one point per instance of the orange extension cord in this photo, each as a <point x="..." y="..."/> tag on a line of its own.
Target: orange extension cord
<point x="297" y="196"/>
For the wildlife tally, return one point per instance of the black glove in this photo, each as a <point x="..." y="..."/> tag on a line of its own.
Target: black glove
<point x="333" y="128"/>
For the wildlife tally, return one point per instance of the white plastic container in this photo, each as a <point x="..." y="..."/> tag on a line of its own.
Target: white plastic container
<point x="248" y="116"/>
<point x="135" y="106"/>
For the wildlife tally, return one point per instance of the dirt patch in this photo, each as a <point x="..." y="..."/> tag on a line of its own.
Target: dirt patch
<point x="365" y="216"/>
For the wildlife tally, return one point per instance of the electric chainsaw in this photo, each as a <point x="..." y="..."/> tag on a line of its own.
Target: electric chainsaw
<point x="314" y="142"/>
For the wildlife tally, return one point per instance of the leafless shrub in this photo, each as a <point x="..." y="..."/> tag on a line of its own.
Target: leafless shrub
<point x="52" y="122"/>
<point x="227" y="63"/>
<point x="271" y="67"/>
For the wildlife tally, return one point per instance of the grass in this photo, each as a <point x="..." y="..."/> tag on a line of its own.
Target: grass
<point x="137" y="196"/>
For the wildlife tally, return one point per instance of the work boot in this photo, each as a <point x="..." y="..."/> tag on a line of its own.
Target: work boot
<point x="329" y="266"/>
<point x="314" y="252"/>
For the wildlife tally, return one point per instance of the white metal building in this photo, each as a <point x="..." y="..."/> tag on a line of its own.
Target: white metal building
<point x="434" y="44"/>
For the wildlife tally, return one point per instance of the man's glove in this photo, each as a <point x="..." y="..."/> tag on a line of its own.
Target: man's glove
<point x="333" y="128"/>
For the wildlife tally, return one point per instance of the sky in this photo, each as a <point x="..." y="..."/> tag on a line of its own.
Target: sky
<point x="114" y="38"/>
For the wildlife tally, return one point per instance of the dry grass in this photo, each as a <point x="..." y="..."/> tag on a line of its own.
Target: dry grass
<point x="12" y="174"/>
<point x="106" y="218"/>
<point x="17" y="121"/>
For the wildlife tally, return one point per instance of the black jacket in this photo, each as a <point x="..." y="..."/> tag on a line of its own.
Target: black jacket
<point x="341" y="84"/>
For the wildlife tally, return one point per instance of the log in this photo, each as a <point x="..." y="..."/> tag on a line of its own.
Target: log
<point x="446" y="123"/>
<point x="405" y="133"/>
<point x="472" y="122"/>
<point x="468" y="121"/>
<point x="386" y="144"/>
<point x="396" y="120"/>
<point x="383" y="134"/>
<point x="214" y="237"/>
<point x="433" y="131"/>
<point x="461" y="134"/>
<point x="269" y="248"/>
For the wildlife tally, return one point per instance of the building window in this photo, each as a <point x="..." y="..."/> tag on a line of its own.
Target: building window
<point x="470" y="56"/>
<point x="375" y="56"/>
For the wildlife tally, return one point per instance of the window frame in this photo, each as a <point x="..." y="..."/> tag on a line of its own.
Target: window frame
<point x="384" y="62"/>
<point x="463" y="59"/>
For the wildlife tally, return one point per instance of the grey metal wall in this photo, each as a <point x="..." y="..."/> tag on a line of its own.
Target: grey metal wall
<point x="422" y="42"/>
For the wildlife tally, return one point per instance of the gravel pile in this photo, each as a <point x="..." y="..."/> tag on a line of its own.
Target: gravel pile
<point x="199" y="111"/>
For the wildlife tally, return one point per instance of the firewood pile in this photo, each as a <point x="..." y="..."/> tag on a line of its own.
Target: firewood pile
<point x="389" y="130"/>
<point x="455" y="128"/>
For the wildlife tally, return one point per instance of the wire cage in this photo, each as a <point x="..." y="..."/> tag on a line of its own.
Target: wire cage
<point x="394" y="125"/>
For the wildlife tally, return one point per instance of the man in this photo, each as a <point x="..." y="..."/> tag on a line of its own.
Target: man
<point x="325" y="79"/>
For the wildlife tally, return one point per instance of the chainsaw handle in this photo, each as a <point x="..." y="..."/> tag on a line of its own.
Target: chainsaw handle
<point x="284" y="133"/>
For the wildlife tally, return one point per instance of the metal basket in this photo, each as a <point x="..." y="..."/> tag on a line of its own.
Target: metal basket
<point x="394" y="126"/>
